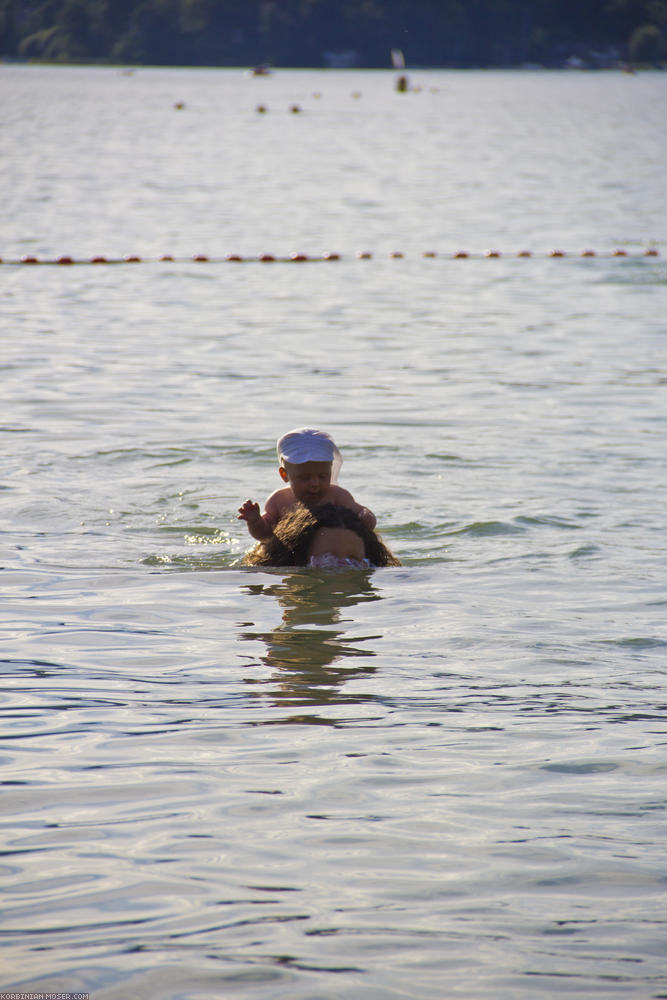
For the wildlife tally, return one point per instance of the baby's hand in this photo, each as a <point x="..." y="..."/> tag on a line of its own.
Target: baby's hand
<point x="367" y="518"/>
<point x="249" y="512"/>
<point x="257" y="526"/>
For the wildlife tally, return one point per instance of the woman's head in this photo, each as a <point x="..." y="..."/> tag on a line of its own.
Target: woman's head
<point x="336" y="544"/>
<point x="325" y="531"/>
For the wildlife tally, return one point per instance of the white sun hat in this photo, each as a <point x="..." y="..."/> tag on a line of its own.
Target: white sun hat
<point x="305" y="444"/>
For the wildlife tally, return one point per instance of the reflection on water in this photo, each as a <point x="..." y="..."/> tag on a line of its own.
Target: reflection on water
<point x="306" y="649"/>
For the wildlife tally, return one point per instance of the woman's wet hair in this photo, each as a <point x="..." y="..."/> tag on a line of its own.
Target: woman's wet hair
<point x="293" y="537"/>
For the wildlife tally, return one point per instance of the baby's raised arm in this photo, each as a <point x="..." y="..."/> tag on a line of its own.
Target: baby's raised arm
<point x="258" y="526"/>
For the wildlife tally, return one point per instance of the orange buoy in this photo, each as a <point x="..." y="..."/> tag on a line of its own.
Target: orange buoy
<point x="98" y="260"/>
<point x="233" y="257"/>
<point x="492" y="253"/>
<point x="298" y="256"/>
<point x="131" y="258"/>
<point x="620" y="253"/>
<point x="29" y="260"/>
<point x="266" y="258"/>
<point x="261" y="109"/>
<point x="460" y="254"/>
<point x="364" y="255"/>
<point x="64" y="260"/>
<point x="429" y="253"/>
<point x="588" y="253"/>
<point x="201" y="258"/>
<point x="556" y="253"/>
<point x="397" y="254"/>
<point x="295" y="109"/>
<point x="166" y="257"/>
<point x="331" y="256"/>
<point x="524" y="253"/>
<point x="651" y="252"/>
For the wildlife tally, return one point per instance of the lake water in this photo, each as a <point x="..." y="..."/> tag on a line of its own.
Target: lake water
<point x="444" y="779"/>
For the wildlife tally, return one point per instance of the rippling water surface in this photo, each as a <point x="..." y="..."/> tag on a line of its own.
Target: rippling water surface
<point x="447" y="777"/>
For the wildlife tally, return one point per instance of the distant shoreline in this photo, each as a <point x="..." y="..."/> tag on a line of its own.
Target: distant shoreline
<point x="523" y="68"/>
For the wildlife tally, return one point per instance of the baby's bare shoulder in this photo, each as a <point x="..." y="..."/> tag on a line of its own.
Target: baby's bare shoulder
<point x="342" y="497"/>
<point x="279" y="501"/>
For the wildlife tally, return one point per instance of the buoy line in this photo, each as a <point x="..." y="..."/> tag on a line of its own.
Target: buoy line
<point x="269" y="258"/>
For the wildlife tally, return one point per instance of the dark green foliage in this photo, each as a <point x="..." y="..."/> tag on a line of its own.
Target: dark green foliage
<point x="457" y="33"/>
<point x="647" y="44"/>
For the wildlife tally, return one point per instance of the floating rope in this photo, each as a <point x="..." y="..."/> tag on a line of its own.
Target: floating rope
<point x="268" y="258"/>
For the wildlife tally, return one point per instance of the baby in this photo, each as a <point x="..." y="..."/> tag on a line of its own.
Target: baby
<point x="309" y="464"/>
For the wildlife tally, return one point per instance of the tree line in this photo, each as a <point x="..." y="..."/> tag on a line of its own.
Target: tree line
<point x="313" y="33"/>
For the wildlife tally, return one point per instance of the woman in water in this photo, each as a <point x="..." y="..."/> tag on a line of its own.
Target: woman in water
<point x="324" y="536"/>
